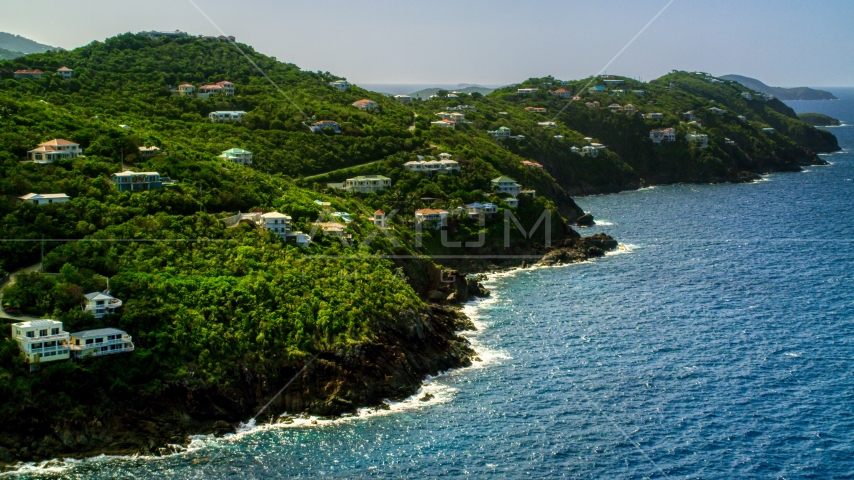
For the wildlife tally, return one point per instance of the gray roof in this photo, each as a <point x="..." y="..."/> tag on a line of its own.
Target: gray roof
<point x="101" y="332"/>
<point x="93" y="295"/>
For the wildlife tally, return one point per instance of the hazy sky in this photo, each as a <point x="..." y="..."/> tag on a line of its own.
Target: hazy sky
<point x="781" y="42"/>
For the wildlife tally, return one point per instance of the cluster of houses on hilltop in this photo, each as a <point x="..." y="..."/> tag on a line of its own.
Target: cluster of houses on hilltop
<point x="205" y="92"/>
<point x="43" y="341"/>
<point x="36" y="74"/>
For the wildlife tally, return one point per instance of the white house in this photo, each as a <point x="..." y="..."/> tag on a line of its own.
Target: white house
<point x="596" y="89"/>
<point x="689" y="116"/>
<point x="41" y="341"/>
<point x="432" y="166"/>
<point x="558" y="137"/>
<point x="629" y="109"/>
<point x="238" y="156"/>
<point x="747" y="95"/>
<point x="653" y="116"/>
<point x="276" y="222"/>
<point x="227" y="87"/>
<point x="65" y="72"/>
<point x="148" y="152"/>
<point x="505" y="184"/>
<point x="227" y="116"/>
<point x="663" y="135"/>
<point x="699" y="139"/>
<point x="728" y="141"/>
<point x="124" y="127"/>
<point x="547" y="124"/>
<point x="129" y="181"/>
<point x="100" y="303"/>
<point x="526" y="91"/>
<point x="45" y="198"/>
<point x="403" y="98"/>
<point x="444" y="123"/>
<point x="367" y="183"/>
<point x="769" y="130"/>
<point x="54" y="149"/>
<point x="717" y="111"/>
<point x="615" y="108"/>
<point x="589" y="151"/>
<point x="500" y="134"/>
<point x="453" y="117"/>
<point x="186" y="90"/>
<point x="340" y="85"/>
<point x="536" y="109"/>
<point x="431" y="215"/>
<point x="574" y="149"/>
<point x="319" y="126"/>
<point x="380" y="219"/>
<point x="474" y="210"/>
<point x="742" y="118"/>
<point x="365" y="104"/>
<point x="103" y="341"/>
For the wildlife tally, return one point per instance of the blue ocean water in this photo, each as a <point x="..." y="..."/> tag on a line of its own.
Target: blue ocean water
<point x="719" y="344"/>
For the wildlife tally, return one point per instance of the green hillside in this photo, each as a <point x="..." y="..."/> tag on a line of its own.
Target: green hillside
<point x="22" y="46"/>
<point x="222" y="317"/>
<point x="794" y="93"/>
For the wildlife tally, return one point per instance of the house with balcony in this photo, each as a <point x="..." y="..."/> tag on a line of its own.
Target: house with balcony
<point x="129" y="181"/>
<point x="186" y="90"/>
<point x="41" y="341"/>
<point x="45" y="198"/>
<point x="276" y="222"/>
<point x="340" y="85"/>
<point x="589" y="151"/>
<point x="663" y="135"/>
<point x="629" y="109"/>
<point x="701" y="140"/>
<point x="432" y="166"/>
<point x="475" y="210"/>
<point x="444" y="124"/>
<point x="148" y="152"/>
<point x="103" y="341"/>
<point x="431" y="216"/>
<point x="207" y="91"/>
<point x="319" y="126"/>
<point x="33" y="74"/>
<point x="227" y="88"/>
<point x="221" y="116"/>
<point x="365" y="104"/>
<point x="536" y="109"/>
<point x="453" y="117"/>
<point x="238" y="156"/>
<point x="65" y="72"/>
<point x="54" y="149"/>
<point x="505" y="184"/>
<point x="367" y="184"/>
<point x="561" y="93"/>
<point x="405" y="99"/>
<point x="689" y="116"/>
<point x="615" y="108"/>
<point x="100" y="304"/>
<point x="501" y="134"/>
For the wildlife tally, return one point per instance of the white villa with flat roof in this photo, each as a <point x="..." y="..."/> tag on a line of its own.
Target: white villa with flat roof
<point x="54" y="149"/>
<point x="41" y="341"/>
<point x="227" y="116"/>
<point x="276" y="222"/>
<point x="103" y="341"/>
<point x="238" y="156"/>
<point x="100" y="303"/>
<point x="45" y="198"/>
<point x="367" y="183"/>
<point x="340" y="85"/>
<point x="432" y="166"/>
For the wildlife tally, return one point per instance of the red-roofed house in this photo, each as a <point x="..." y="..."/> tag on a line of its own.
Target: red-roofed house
<point x="561" y="92"/>
<point x="227" y="87"/>
<point x="365" y="104"/>
<point x="531" y="164"/>
<point x="206" y="91"/>
<point x="29" y="74"/>
<point x="379" y="219"/>
<point x="431" y="215"/>
<point x="55" y="149"/>
<point x="536" y="109"/>
<point x="65" y="72"/>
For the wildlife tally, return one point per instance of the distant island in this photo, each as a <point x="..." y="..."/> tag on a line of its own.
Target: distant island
<point x="818" y="120"/>
<point x="425" y="93"/>
<point x="14" y="46"/>
<point x="797" y="93"/>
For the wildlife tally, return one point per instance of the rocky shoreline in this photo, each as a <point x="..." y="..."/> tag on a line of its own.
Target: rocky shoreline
<point x="392" y="367"/>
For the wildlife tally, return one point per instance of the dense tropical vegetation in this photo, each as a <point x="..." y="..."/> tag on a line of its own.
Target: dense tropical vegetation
<point x="209" y="306"/>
